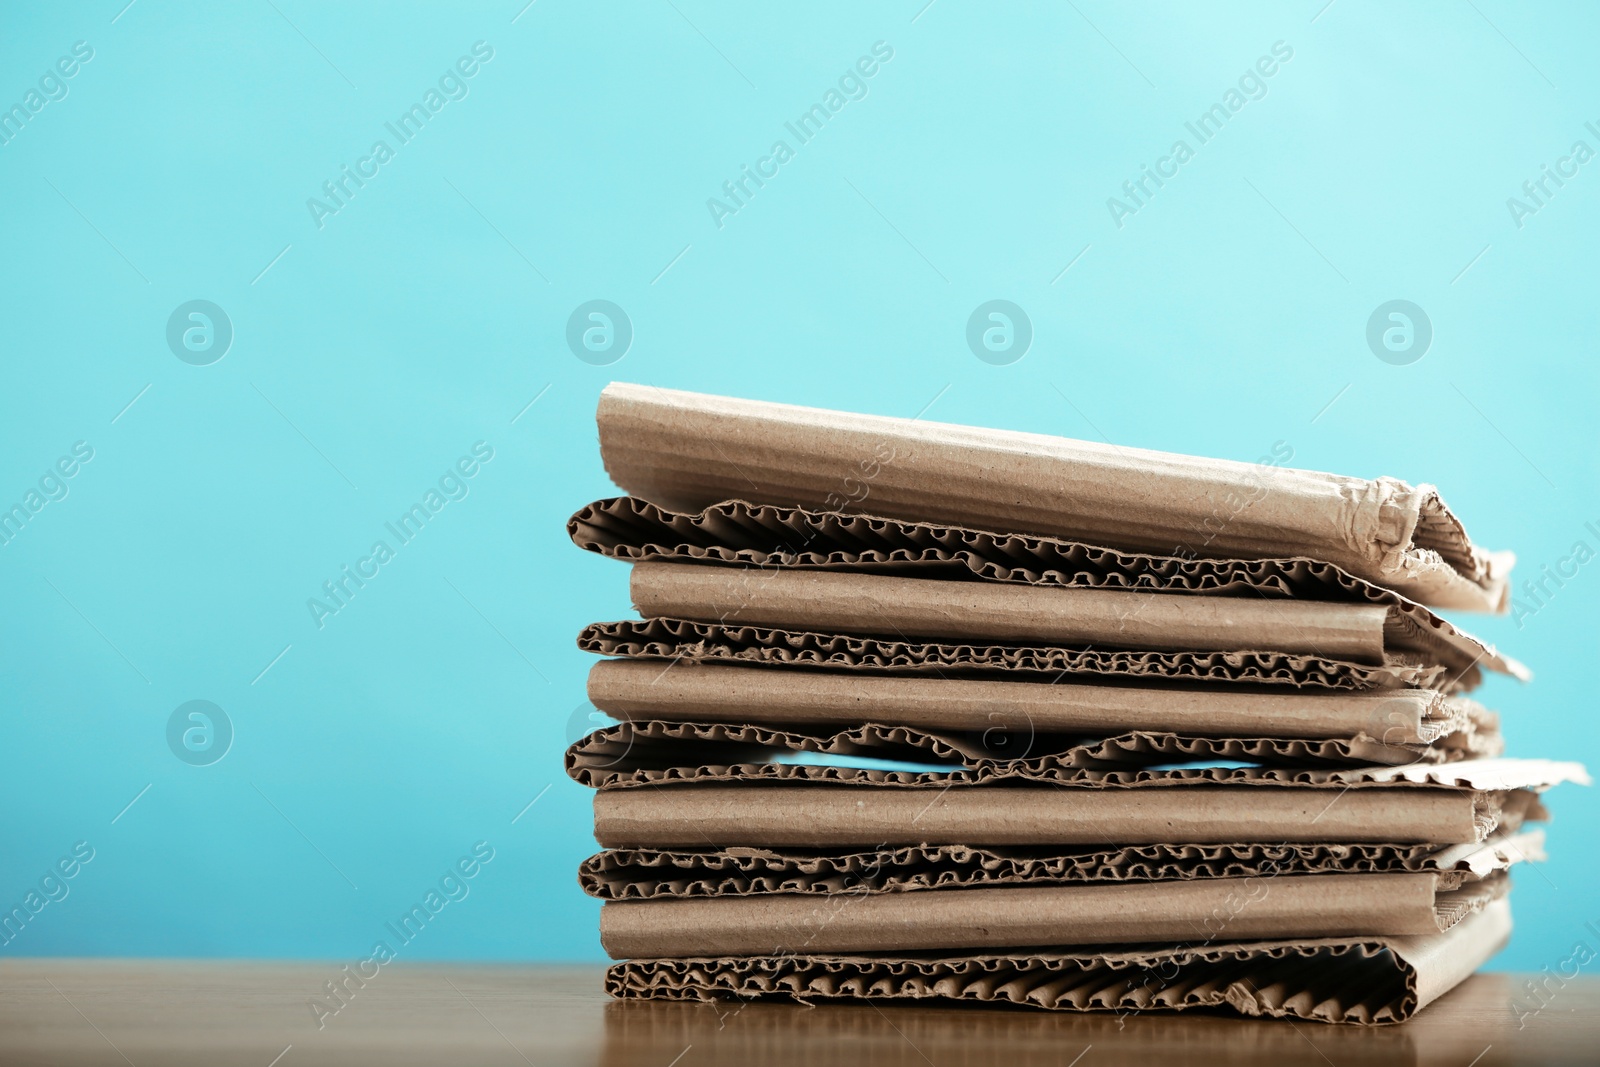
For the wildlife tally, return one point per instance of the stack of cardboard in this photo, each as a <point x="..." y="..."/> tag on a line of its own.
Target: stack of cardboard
<point x="918" y="710"/>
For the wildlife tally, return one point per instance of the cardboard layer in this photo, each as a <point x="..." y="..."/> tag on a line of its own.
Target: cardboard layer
<point x="806" y="815"/>
<point x="718" y="692"/>
<point x="682" y="640"/>
<point x="1360" y="981"/>
<point x="1283" y="906"/>
<point x="656" y="874"/>
<point x="771" y="538"/>
<point x="1049" y="769"/>
<point x="887" y="606"/>
<point x="689" y="450"/>
<point x="654" y="753"/>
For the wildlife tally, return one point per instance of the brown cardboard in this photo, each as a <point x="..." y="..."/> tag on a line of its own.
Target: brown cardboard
<point x="886" y="606"/>
<point x="1487" y="777"/>
<point x="806" y="815"/>
<point x="717" y="692"/>
<point x="771" y="538"/>
<point x="1364" y="980"/>
<point x="655" y="874"/>
<point x="1051" y="769"/>
<point x="652" y="752"/>
<point x="1281" y="906"/>
<point x="684" y="641"/>
<point x="688" y="450"/>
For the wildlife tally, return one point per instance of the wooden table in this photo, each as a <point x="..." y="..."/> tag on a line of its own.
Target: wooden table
<point x="174" y="1014"/>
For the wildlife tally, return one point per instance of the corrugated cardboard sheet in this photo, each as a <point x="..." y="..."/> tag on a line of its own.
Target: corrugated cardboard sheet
<point x="1261" y="807"/>
<point x="1364" y="980"/>
<point x="680" y="640"/>
<point x="656" y="874"/>
<point x="1011" y="713"/>
<point x="1123" y="913"/>
<point x="688" y="450"/>
<point x="765" y="540"/>
<point x="653" y="752"/>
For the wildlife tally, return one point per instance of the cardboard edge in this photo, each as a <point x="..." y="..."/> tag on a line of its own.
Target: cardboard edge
<point x="1410" y="973"/>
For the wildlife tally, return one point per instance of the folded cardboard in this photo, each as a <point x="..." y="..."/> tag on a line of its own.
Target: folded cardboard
<point x="1148" y="807"/>
<point x="634" y="690"/>
<point x="686" y="641"/>
<point x="769" y="539"/>
<point x="774" y="1030"/>
<point x="653" y="752"/>
<point x="975" y="611"/>
<point x="1361" y="980"/>
<point x="657" y="874"/>
<point x="1127" y="913"/>
<point x="689" y="450"/>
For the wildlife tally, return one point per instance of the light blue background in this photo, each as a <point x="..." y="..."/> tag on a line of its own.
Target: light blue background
<point x="1227" y="315"/>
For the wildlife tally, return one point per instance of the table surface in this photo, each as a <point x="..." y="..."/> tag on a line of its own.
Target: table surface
<point x="175" y="1013"/>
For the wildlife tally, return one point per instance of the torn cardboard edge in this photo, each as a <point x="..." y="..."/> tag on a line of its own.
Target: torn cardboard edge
<point x="1005" y="917"/>
<point x="687" y="451"/>
<point x="771" y="539"/>
<point x="648" y="752"/>
<point x="683" y="640"/>
<point x="811" y="700"/>
<point x="657" y="874"/>
<point x="1362" y="981"/>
